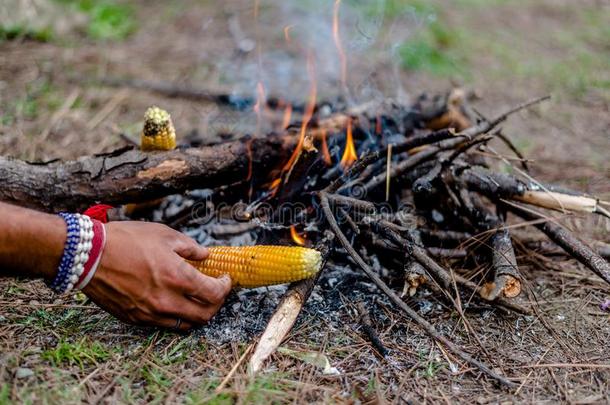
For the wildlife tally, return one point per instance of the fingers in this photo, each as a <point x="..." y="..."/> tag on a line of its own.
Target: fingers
<point x="172" y="323"/>
<point x="188" y="249"/>
<point x="204" y="288"/>
<point x="196" y="312"/>
<point x="195" y="296"/>
<point x="178" y="306"/>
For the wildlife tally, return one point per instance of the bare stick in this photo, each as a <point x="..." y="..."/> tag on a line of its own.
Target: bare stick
<point x="415" y="274"/>
<point x="566" y="240"/>
<point x="508" y="142"/>
<point x="502" y="185"/>
<point x="369" y="331"/>
<point x="522" y="106"/>
<point x="443" y="277"/>
<point x="425" y="325"/>
<point x="285" y="314"/>
<point x="507" y="280"/>
<point x="411" y="162"/>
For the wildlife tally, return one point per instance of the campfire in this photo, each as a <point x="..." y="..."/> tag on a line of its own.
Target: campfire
<point x="409" y="194"/>
<point x="405" y="193"/>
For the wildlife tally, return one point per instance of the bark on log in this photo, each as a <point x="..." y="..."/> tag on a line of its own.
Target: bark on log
<point x="129" y="175"/>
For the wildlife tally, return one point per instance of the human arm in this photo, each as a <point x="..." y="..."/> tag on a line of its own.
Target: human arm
<point x="142" y="277"/>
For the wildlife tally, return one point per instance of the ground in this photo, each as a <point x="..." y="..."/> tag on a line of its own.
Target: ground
<point x="66" y="349"/>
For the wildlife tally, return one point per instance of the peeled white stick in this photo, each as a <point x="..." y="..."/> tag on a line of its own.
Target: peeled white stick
<point x="559" y="201"/>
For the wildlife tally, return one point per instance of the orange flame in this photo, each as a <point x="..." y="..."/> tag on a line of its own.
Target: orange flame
<point x="378" y="124"/>
<point x="298" y="239"/>
<point x="261" y="98"/>
<point x="337" y="39"/>
<point x="349" y="154"/>
<point x="275" y="186"/>
<point x="261" y="102"/>
<point x="309" y="109"/>
<point x="287" y="116"/>
<point x="287" y="33"/>
<point x="325" y="152"/>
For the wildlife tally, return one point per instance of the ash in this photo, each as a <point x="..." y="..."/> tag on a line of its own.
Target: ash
<point x="246" y="312"/>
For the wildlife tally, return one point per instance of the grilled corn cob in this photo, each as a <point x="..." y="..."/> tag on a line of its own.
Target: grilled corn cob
<point x="257" y="266"/>
<point x="158" y="132"/>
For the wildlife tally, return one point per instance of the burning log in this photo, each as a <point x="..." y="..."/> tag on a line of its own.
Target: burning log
<point x="129" y="175"/>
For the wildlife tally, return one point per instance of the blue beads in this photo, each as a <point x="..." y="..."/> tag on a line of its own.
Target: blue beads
<point x="61" y="280"/>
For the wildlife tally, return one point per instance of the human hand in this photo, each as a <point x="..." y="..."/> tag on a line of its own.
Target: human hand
<point x="143" y="278"/>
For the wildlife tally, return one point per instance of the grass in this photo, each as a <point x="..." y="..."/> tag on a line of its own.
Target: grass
<point x="21" y="31"/>
<point x="40" y="96"/>
<point x="443" y="48"/>
<point x="5" y="394"/>
<point x="435" y="50"/>
<point x="81" y="353"/>
<point x="215" y="399"/>
<point x="157" y="380"/>
<point x="108" y="20"/>
<point x="435" y="47"/>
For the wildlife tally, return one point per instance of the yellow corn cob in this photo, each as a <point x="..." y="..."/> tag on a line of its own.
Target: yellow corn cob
<point x="257" y="266"/>
<point x="158" y="132"/>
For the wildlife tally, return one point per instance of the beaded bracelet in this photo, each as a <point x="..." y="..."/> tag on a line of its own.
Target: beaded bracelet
<point x="76" y="252"/>
<point x="95" y="255"/>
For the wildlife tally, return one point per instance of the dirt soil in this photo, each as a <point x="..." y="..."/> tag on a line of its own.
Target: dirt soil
<point x="65" y="349"/>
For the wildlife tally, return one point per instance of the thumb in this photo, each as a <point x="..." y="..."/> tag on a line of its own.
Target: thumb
<point x="225" y="283"/>
<point x="190" y="250"/>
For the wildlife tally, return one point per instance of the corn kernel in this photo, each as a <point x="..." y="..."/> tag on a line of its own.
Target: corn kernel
<point x="257" y="266"/>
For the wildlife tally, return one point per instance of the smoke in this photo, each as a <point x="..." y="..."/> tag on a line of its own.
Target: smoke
<point x="274" y="41"/>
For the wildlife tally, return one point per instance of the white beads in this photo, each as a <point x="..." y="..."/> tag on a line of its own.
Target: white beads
<point x="85" y="244"/>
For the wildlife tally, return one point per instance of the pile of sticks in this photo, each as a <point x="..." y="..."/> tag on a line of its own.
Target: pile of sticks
<point x="422" y="200"/>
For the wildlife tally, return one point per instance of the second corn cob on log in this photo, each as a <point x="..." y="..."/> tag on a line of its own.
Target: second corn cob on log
<point x="158" y="132"/>
<point x="257" y="266"/>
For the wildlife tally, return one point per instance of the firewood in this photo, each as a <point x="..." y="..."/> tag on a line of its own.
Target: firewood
<point x="567" y="241"/>
<point x="286" y="313"/>
<point x="425" y="325"/>
<point x="502" y="185"/>
<point x="506" y="278"/>
<point x="129" y="175"/>
<point x="369" y="331"/>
